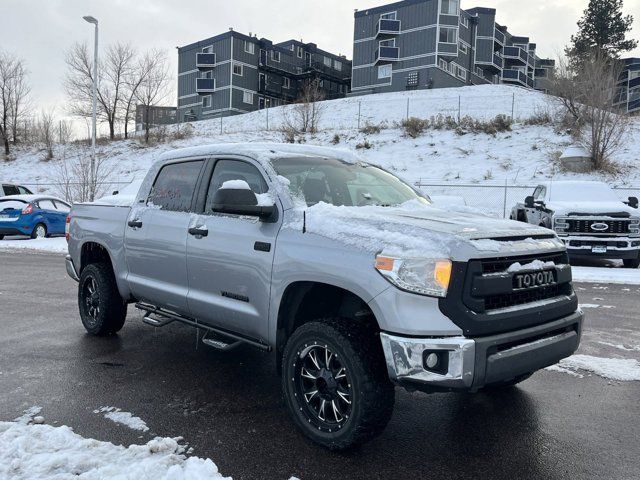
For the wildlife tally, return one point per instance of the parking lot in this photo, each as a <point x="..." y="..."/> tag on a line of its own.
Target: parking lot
<point x="227" y="406"/>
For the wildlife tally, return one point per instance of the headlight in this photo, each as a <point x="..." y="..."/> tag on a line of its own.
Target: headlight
<point x="560" y="225"/>
<point x="425" y="276"/>
<point x="634" y="226"/>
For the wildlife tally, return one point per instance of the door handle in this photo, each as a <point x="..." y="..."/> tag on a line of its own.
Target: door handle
<point x="198" y="232"/>
<point x="134" y="223"/>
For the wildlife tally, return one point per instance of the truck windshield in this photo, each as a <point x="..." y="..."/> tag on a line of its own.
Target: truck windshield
<point x="582" y="192"/>
<point x="329" y="180"/>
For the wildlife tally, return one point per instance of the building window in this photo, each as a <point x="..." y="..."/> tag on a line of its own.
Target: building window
<point x="206" y="101"/>
<point x="479" y="72"/>
<point x="238" y="69"/>
<point x="249" y="47"/>
<point x="207" y="74"/>
<point x="442" y="63"/>
<point x="247" y="97"/>
<point x="292" y="47"/>
<point x="464" y="21"/>
<point x="208" y="49"/>
<point x="461" y="73"/>
<point x="327" y="61"/>
<point x="275" y="56"/>
<point x="286" y="82"/>
<point x="388" y="16"/>
<point x="388" y="43"/>
<point x="450" y="7"/>
<point x="300" y="52"/>
<point x="384" y="71"/>
<point x="448" y="35"/>
<point x="463" y="48"/>
<point x="337" y="65"/>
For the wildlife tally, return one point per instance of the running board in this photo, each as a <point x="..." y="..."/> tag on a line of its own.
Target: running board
<point x="166" y="317"/>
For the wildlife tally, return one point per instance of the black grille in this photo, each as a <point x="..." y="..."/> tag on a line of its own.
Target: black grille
<point x="495" y="302"/>
<point x="502" y="264"/>
<point x="584" y="226"/>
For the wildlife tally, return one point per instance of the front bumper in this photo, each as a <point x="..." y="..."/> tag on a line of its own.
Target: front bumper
<point x="472" y="363"/>
<point x="71" y="269"/>
<point x="614" y="247"/>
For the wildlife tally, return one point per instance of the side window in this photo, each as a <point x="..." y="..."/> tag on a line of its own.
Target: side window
<point x="46" y="205"/>
<point x="11" y="190"/>
<point x="174" y="186"/>
<point x="226" y="170"/>
<point x="62" y="207"/>
<point x="539" y="193"/>
<point x="24" y="191"/>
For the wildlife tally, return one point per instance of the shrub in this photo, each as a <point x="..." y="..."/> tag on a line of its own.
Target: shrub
<point x="371" y="129"/>
<point x="539" y="118"/>
<point x="414" y="127"/>
<point x="336" y="139"/>
<point x="364" y="145"/>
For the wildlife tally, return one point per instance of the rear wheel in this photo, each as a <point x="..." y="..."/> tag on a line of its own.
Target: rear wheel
<point x="335" y="383"/>
<point x="1" y="237"/>
<point x="102" y="309"/>
<point x="632" y="263"/>
<point x="39" y="231"/>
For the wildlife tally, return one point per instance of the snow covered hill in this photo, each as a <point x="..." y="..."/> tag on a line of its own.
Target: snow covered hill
<point x="525" y="155"/>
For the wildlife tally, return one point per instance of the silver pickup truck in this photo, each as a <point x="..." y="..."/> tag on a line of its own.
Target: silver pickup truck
<point x="347" y="274"/>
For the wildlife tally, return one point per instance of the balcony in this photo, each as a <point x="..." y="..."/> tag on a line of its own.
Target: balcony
<point x="515" y="53"/>
<point x="205" y="85"/>
<point x="634" y="82"/>
<point x="517" y="76"/>
<point x="498" y="61"/>
<point x="387" y="54"/>
<point x="499" y="37"/>
<point x="205" y="60"/>
<point x="388" y="27"/>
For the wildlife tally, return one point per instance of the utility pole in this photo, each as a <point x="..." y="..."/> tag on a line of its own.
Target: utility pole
<point x="92" y="174"/>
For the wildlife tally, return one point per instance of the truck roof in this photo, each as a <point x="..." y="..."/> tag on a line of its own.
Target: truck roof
<point x="263" y="152"/>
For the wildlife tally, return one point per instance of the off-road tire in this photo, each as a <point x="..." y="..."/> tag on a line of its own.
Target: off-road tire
<point x="632" y="263"/>
<point x="104" y="311"/>
<point x="359" y="350"/>
<point x="34" y="233"/>
<point x="1" y="237"/>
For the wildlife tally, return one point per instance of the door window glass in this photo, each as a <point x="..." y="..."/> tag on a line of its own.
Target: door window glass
<point x="46" y="205"/>
<point x="11" y="190"/>
<point x="62" y="207"/>
<point x="226" y="170"/>
<point x="24" y="191"/>
<point x="175" y="185"/>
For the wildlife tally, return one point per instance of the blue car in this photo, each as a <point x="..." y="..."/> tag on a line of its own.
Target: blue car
<point x="37" y="216"/>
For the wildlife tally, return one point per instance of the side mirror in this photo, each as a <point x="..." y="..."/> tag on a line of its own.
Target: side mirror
<point x="240" y="201"/>
<point x="633" y="202"/>
<point x="529" y="202"/>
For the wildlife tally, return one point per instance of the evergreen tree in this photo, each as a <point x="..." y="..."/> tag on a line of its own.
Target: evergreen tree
<point x="602" y="30"/>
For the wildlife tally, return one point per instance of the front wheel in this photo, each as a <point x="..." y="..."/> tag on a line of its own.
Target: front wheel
<point x="102" y="309"/>
<point x="632" y="263"/>
<point x="335" y="383"/>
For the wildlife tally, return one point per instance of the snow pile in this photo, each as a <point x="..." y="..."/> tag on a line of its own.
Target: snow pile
<point x="535" y="265"/>
<point x="235" y="185"/>
<point x="53" y="245"/>
<point x="43" y="452"/>
<point x="624" y="369"/>
<point x="125" y="418"/>
<point x="625" y="276"/>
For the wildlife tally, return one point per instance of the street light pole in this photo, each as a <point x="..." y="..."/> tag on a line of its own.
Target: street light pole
<point x="92" y="174"/>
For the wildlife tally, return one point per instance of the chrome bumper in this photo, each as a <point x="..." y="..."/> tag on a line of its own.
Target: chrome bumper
<point x="405" y="360"/>
<point x="71" y="269"/>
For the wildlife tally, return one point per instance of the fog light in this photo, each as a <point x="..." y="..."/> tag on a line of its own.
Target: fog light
<point x="432" y="360"/>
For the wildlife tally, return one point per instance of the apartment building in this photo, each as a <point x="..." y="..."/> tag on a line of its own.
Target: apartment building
<point x="629" y="93"/>
<point x="233" y="73"/>
<point x="422" y="44"/>
<point x="157" y="116"/>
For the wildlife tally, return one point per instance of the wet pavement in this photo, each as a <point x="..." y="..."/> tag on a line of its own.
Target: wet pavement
<point x="228" y="407"/>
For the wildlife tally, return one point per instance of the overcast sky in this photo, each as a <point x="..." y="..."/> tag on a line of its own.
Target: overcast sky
<point x="41" y="30"/>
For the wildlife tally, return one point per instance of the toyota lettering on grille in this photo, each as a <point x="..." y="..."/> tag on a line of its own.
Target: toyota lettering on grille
<point x="534" y="279"/>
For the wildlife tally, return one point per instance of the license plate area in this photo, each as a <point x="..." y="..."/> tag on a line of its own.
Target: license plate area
<point x="599" y="249"/>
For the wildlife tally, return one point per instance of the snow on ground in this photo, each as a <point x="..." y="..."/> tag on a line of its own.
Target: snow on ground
<point x="124" y="418"/>
<point x="52" y="245"/>
<point x="626" y="276"/>
<point x="36" y="451"/>
<point x="623" y="369"/>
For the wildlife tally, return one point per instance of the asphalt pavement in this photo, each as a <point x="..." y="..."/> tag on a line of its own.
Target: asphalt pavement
<point x="228" y="406"/>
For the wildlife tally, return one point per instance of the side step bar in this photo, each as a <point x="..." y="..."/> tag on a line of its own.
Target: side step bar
<point x="158" y="317"/>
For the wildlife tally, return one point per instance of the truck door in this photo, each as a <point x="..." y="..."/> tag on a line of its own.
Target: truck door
<point x="230" y="268"/>
<point x="156" y="238"/>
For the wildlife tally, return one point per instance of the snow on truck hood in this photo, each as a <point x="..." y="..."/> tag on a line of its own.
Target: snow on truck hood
<point x="417" y="230"/>
<point x="591" y="208"/>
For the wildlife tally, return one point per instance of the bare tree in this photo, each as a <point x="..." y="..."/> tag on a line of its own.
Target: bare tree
<point x="13" y="92"/>
<point x="563" y="86"/>
<point x="113" y="74"/>
<point x="305" y="115"/>
<point x="65" y="132"/>
<point x="134" y="79"/>
<point x="73" y="179"/>
<point x="20" y="105"/>
<point x="47" y="131"/>
<point x="154" y="87"/>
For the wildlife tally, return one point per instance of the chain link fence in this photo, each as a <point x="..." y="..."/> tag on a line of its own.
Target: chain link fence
<point x="497" y="199"/>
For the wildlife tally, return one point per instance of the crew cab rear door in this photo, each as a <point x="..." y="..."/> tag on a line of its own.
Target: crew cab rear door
<point x="230" y="268"/>
<point x="156" y="237"/>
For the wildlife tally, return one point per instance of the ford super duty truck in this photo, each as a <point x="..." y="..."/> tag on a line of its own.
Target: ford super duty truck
<point x="588" y="217"/>
<point x="348" y="275"/>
